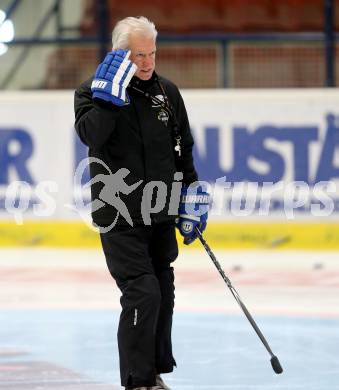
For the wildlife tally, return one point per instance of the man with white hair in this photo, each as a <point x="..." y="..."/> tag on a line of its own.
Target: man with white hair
<point x="132" y="118"/>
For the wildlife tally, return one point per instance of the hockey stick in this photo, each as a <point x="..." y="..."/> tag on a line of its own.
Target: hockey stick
<point x="274" y="360"/>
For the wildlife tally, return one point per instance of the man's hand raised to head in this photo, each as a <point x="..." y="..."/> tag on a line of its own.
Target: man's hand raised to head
<point x="113" y="76"/>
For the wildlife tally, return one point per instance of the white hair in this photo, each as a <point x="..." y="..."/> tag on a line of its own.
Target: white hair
<point x="127" y="26"/>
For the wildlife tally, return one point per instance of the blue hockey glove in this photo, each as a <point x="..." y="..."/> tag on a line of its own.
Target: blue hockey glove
<point x="193" y="212"/>
<point x="113" y="76"/>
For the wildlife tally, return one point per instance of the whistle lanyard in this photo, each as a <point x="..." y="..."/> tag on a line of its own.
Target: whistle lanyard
<point x="165" y="105"/>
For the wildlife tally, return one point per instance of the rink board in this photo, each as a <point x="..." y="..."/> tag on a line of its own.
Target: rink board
<point x="232" y="235"/>
<point x="269" y="139"/>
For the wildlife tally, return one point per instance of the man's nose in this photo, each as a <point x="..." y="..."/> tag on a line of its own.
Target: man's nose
<point x="148" y="61"/>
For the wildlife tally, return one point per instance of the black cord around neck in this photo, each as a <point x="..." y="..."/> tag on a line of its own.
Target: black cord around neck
<point x="166" y="105"/>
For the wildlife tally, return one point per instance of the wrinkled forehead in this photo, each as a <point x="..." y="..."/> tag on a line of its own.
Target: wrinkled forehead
<point x="141" y="43"/>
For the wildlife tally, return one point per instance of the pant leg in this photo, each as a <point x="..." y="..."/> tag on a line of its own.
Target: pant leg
<point x="164" y="250"/>
<point x="140" y="303"/>
<point x="127" y="255"/>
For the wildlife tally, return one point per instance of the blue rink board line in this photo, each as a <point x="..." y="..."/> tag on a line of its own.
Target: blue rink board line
<point x="213" y="351"/>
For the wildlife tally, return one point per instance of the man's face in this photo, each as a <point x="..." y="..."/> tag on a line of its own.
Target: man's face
<point x="143" y="55"/>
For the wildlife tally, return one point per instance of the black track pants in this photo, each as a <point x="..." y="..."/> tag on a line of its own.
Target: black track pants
<point x="139" y="260"/>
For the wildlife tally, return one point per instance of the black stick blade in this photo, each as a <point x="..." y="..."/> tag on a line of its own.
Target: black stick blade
<point x="276" y="365"/>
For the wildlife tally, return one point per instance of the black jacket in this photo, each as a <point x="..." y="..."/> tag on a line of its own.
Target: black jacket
<point x="137" y="136"/>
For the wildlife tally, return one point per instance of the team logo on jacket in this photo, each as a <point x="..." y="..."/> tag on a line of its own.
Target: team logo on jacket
<point x="159" y="97"/>
<point x="163" y="117"/>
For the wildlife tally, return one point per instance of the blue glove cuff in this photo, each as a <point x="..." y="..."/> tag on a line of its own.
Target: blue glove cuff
<point x="194" y="202"/>
<point x="108" y="98"/>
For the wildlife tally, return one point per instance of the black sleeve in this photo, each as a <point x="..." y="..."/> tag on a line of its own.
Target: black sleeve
<point x="190" y="174"/>
<point x="94" y="120"/>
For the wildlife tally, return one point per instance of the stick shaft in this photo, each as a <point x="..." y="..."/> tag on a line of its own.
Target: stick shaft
<point x="234" y="292"/>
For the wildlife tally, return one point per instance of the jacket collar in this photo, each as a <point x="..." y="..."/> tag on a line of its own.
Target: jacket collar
<point x="143" y="84"/>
